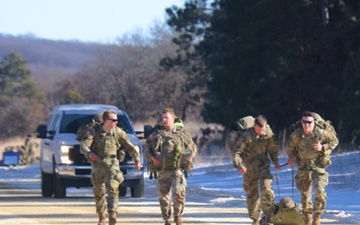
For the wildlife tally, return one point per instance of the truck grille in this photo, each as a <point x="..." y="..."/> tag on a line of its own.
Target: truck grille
<point x="76" y="156"/>
<point x="79" y="159"/>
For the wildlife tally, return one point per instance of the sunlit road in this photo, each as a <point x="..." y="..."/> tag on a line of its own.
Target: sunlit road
<point x="21" y="203"/>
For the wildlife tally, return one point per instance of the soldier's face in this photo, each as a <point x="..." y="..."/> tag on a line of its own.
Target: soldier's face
<point x="112" y="121"/>
<point x="307" y="123"/>
<point x="168" y="120"/>
<point x="260" y="130"/>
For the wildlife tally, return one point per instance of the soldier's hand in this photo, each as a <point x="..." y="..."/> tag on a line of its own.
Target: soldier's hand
<point x="277" y="166"/>
<point x="242" y="170"/>
<point x="138" y="166"/>
<point x="155" y="161"/>
<point x="317" y="146"/>
<point x="93" y="157"/>
<point x="290" y="162"/>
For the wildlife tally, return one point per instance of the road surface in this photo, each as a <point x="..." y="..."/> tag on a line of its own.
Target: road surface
<point x="21" y="203"/>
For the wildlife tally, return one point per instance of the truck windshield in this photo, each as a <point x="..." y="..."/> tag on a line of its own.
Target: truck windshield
<point x="71" y="122"/>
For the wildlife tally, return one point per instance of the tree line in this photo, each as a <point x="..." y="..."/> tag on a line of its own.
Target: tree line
<point x="224" y="59"/>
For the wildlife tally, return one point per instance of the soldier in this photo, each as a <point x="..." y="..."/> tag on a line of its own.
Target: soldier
<point x="310" y="147"/>
<point x="30" y="147"/>
<point x="251" y="159"/>
<point x="169" y="141"/>
<point x="99" y="145"/>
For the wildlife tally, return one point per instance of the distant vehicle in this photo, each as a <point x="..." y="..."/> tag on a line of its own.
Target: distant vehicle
<point x="62" y="164"/>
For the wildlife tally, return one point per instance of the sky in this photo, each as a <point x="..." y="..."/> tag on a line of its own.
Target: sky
<point x="82" y="20"/>
<point x="217" y="185"/>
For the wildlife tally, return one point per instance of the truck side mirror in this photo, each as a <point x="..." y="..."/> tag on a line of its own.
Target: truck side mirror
<point x="148" y="129"/>
<point x="41" y="131"/>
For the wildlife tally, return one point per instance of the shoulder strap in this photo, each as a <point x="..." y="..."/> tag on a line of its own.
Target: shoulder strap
<point x="116" y="136"/>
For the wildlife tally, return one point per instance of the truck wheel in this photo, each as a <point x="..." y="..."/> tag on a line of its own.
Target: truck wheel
<point x="47" y="184"/>
<point x="59" y="188"/>
<point x="122" y="191"/>
<point x="137" y="192"/>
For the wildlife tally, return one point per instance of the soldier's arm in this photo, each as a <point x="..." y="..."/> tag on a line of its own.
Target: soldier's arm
<point x="241" y="145"/>
<point x="86" y="143"/>
<point x="291" y="149"/>
<point x="330" y="142"/>
<point x="128" y="146"/>
<point x="230" y="142"/>
<point x="189" y="144"/>
<point x="272" y="150"/>
<point x="148" y="148"/>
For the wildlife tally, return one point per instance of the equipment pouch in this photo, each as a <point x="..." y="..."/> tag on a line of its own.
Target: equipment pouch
<point x="324" y="161"/>
<point x="119" y="177"/>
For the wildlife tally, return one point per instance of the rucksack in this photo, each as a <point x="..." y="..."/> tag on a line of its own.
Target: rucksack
<point x="83" y="129"/>
<point x="245" y="123"/>
<point x="236" y="130"/>
<point x="319" y="121"/>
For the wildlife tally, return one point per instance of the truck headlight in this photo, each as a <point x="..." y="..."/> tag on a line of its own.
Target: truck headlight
<point x="65" y="150"/>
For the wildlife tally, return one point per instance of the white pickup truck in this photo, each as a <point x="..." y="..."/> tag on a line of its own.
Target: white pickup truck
<point x="62" y="164"/>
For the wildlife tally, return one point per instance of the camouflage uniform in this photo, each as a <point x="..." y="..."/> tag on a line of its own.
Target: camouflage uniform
<point x="29" y="148"/>
<point x="167" y="147"/>
<point x="105" y="173"/>
<point x="311" y="166"/>
<point x="253" y="151"/>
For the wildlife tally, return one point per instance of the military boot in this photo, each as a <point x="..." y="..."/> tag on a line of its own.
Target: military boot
<point x="101" y="219"/>
<point x="256" y="222"/>
<point x="316" y="219"/>
<point x="167" y="222"/>
<point x="307" y="219"/>
<point x="112" y="218"/>
<point x="178" y="220"/>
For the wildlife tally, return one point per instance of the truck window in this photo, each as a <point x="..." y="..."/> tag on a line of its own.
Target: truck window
<point x="71" y="122"/>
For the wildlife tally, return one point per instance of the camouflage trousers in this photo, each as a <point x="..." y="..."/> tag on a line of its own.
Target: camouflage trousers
<point x="252" y="178"/>
<point x="304" y="180"/>
<point x="171" y="183"/>
<point x="106" y="176"/>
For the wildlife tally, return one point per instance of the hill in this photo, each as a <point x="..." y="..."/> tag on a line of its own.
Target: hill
<point x="49" y="60"/>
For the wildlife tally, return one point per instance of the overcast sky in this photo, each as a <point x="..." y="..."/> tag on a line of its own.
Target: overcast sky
<point x="84" y="20"/>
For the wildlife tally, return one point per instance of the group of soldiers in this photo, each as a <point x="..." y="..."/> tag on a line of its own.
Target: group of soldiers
<point x="254" y="148"/>
<point x="170" y="150"/>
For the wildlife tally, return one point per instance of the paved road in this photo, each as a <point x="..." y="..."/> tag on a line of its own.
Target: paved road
<point x="21" y="203"/>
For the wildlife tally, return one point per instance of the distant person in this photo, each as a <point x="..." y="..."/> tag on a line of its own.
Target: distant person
<point x="310" y="147"/>
<point x="170" y="140"/>
<point x="99" y="145"/>
<point x="252" y="153"/>
<point x="30" y="147"/>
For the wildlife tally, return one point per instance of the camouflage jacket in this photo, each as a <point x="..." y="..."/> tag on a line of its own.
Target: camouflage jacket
<point x="107" y="143"/>
<point x="167" y="145"/>
<point x="251" y="147"/>
<point x="301" y="146"/>
<point x="230" y="142"/>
